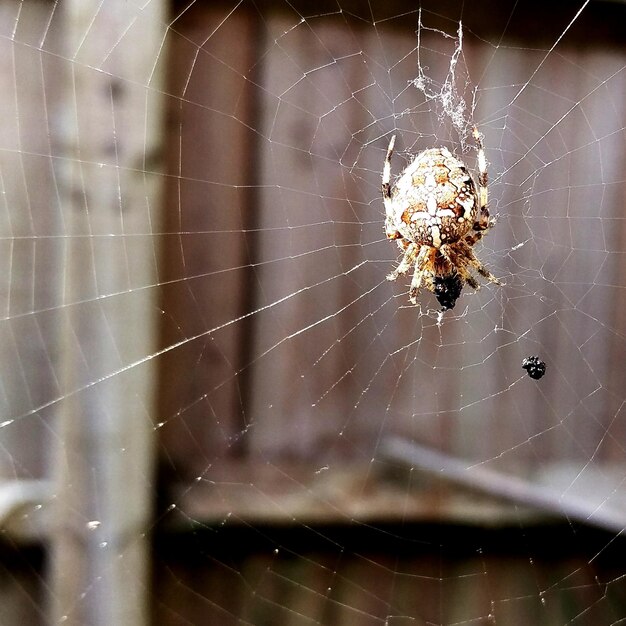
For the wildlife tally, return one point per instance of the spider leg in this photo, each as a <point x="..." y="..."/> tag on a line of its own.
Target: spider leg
<point x="418" y="274"/>
<point x="390" y="228"/>
<point x="483" y="222"/>
<point x="483" y="271"/>
<point x="386" y="187"/>
<point x="408" y="260"/>
<point x="461" y="256"/>
<point x="476" y="235"/>
<point x="459" y="261"/>
<point x="472" y="282"/>
<point x="469" y="259"/>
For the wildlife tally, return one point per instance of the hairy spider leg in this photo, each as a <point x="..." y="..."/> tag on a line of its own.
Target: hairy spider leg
<point x="483" y="222"/>
<point x="457" y="257"/>
<point x="386" y="187"/>
<point x="408" y="260"/>
<point x="475" y="236"/>
<point x="418" y="274"/>
<point x="462" y="256"/>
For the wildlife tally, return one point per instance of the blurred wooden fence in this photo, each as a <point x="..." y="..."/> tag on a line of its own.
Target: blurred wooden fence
<point x="300" y="354"/>
<point x="302" y="362"/>
<point x="243" y="315"/>
<point x="80" y="144"/>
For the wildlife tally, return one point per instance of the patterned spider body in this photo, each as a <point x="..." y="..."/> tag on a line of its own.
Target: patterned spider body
<point x="437" y="213"/>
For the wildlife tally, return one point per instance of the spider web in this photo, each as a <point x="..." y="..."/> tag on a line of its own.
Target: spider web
<point x="216" y="409"/>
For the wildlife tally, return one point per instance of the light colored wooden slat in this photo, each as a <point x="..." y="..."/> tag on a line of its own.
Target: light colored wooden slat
<point x="108" y="125"/>
<point x="31" y="262"/>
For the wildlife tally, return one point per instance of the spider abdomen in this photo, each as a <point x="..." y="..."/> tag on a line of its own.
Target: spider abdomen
<point x="439" y="203"/>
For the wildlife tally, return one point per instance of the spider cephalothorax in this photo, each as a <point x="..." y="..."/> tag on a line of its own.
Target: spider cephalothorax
<point x="436" y="214"/>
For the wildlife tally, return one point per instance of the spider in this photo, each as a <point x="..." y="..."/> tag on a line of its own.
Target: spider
<point x="437" y="215"/>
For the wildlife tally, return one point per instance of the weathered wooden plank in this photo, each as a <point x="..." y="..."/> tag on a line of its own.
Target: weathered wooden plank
<point x="370" y="494"/>
<point x="30" y="292"/>
<point x="210" y="235"/>
<point x="31" y="256"/>
<point x="107" y="126"/>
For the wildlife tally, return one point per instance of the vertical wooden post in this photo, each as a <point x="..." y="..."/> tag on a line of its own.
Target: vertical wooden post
<point x="110" y="133"/>
<point x="30" y="258"/>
